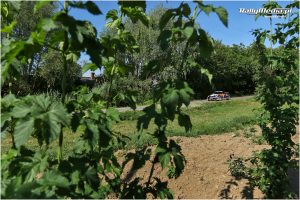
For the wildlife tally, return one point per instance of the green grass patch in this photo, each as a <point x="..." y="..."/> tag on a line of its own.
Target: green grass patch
<point x="207" y="119"/>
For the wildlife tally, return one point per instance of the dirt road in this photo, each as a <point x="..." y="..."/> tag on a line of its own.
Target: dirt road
<point x="194" y="103"/>
<point x="206" y="174"/>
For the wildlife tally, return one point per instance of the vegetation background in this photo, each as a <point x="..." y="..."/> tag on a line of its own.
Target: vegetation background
<point x="163" y="59"/>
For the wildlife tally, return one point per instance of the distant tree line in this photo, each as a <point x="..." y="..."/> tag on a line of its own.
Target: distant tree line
<point x="231" y="68"/>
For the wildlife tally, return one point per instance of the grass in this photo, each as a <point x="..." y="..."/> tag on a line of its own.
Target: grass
<point x="208" y="119"/>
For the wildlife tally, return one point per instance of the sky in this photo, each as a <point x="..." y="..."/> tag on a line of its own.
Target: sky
<point x="239" y="25"/>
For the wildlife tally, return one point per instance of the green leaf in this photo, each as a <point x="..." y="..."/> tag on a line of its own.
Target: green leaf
<point x="59" y="114"/>
<point x="53" y="178"/>
<point x="72" y="57"/>
<point x="9" y="28"/>
<point x="184" y="120"/>
<point x="222" y="14"/>
<point x="88" y="97"/>
<point x="186" y="11"/>
<point x="171" y="97"/>
<point x="24" y="128"/>
<point x="205" y="44"/>
<point x="93" y="8"/>
<point x="188" y="31"/>
<point x="46" y="24"/>
<point x="89" y="5"/>
<point x="160" y="149"/>
<point x="39" y="5"/>
<point x="133" y="4"/>
<point x="207" y="73"/>
<point x="205" y="8"/>
<point x="185" y="97"/>
<point x="165" y="193"/>
<point x="112" y="14"/>
<point x="21" y="110"/>
<point x="5" y="117"/>
<point x="51" y="127"/>
<point x="75" y="177"/>
<point x="165" y="19"/>
<point x="179" y="163"/>
<point x="113" y="114"/>
<point x="164" y="159"/>
<point x="89" y="66"/>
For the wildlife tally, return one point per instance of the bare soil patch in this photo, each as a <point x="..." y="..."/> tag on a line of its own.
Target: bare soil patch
<point x="206" y="174"/>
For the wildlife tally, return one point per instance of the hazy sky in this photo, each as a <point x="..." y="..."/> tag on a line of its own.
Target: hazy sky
<point x="239" y="25"/>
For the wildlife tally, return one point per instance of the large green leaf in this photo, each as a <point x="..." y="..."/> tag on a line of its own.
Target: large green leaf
<point x="21" y="110"/>
<point x="23" y="130"/>
<point x="51" y="127"/>
<point x="40" y="114"/>
<point x="205" y="43"/>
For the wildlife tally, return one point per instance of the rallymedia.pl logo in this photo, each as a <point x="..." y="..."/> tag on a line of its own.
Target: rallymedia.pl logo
<point x="275" y="12"/>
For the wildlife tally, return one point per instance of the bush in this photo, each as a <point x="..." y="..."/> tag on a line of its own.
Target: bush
<point x="141" y="90"/>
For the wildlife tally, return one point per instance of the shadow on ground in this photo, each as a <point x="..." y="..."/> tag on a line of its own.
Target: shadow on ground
<point x="248" y="191"/>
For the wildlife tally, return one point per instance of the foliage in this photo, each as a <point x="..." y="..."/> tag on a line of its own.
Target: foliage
<point x="140" y="90"/>
<point x="237" y="167"/>
<point x="279" y="94"/>
<point x="230" y="68"/>
<point x="51" y="70"/>
<point x="24" y="20"/>
<point x="93" y="169"/>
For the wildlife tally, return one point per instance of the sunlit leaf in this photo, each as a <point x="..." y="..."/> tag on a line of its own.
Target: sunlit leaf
<point x="222" y="14"/>
<point x="9" y="28"/>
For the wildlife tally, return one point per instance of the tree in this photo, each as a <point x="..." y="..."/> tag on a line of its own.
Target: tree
<point x="26" y="21"/>
<point x="233" y="68"/>
<point x="22" y="23"/>
<point x="51" y="70"/>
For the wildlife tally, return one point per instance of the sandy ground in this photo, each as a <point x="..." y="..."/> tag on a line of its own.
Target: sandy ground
<point x="206" y="174"/>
